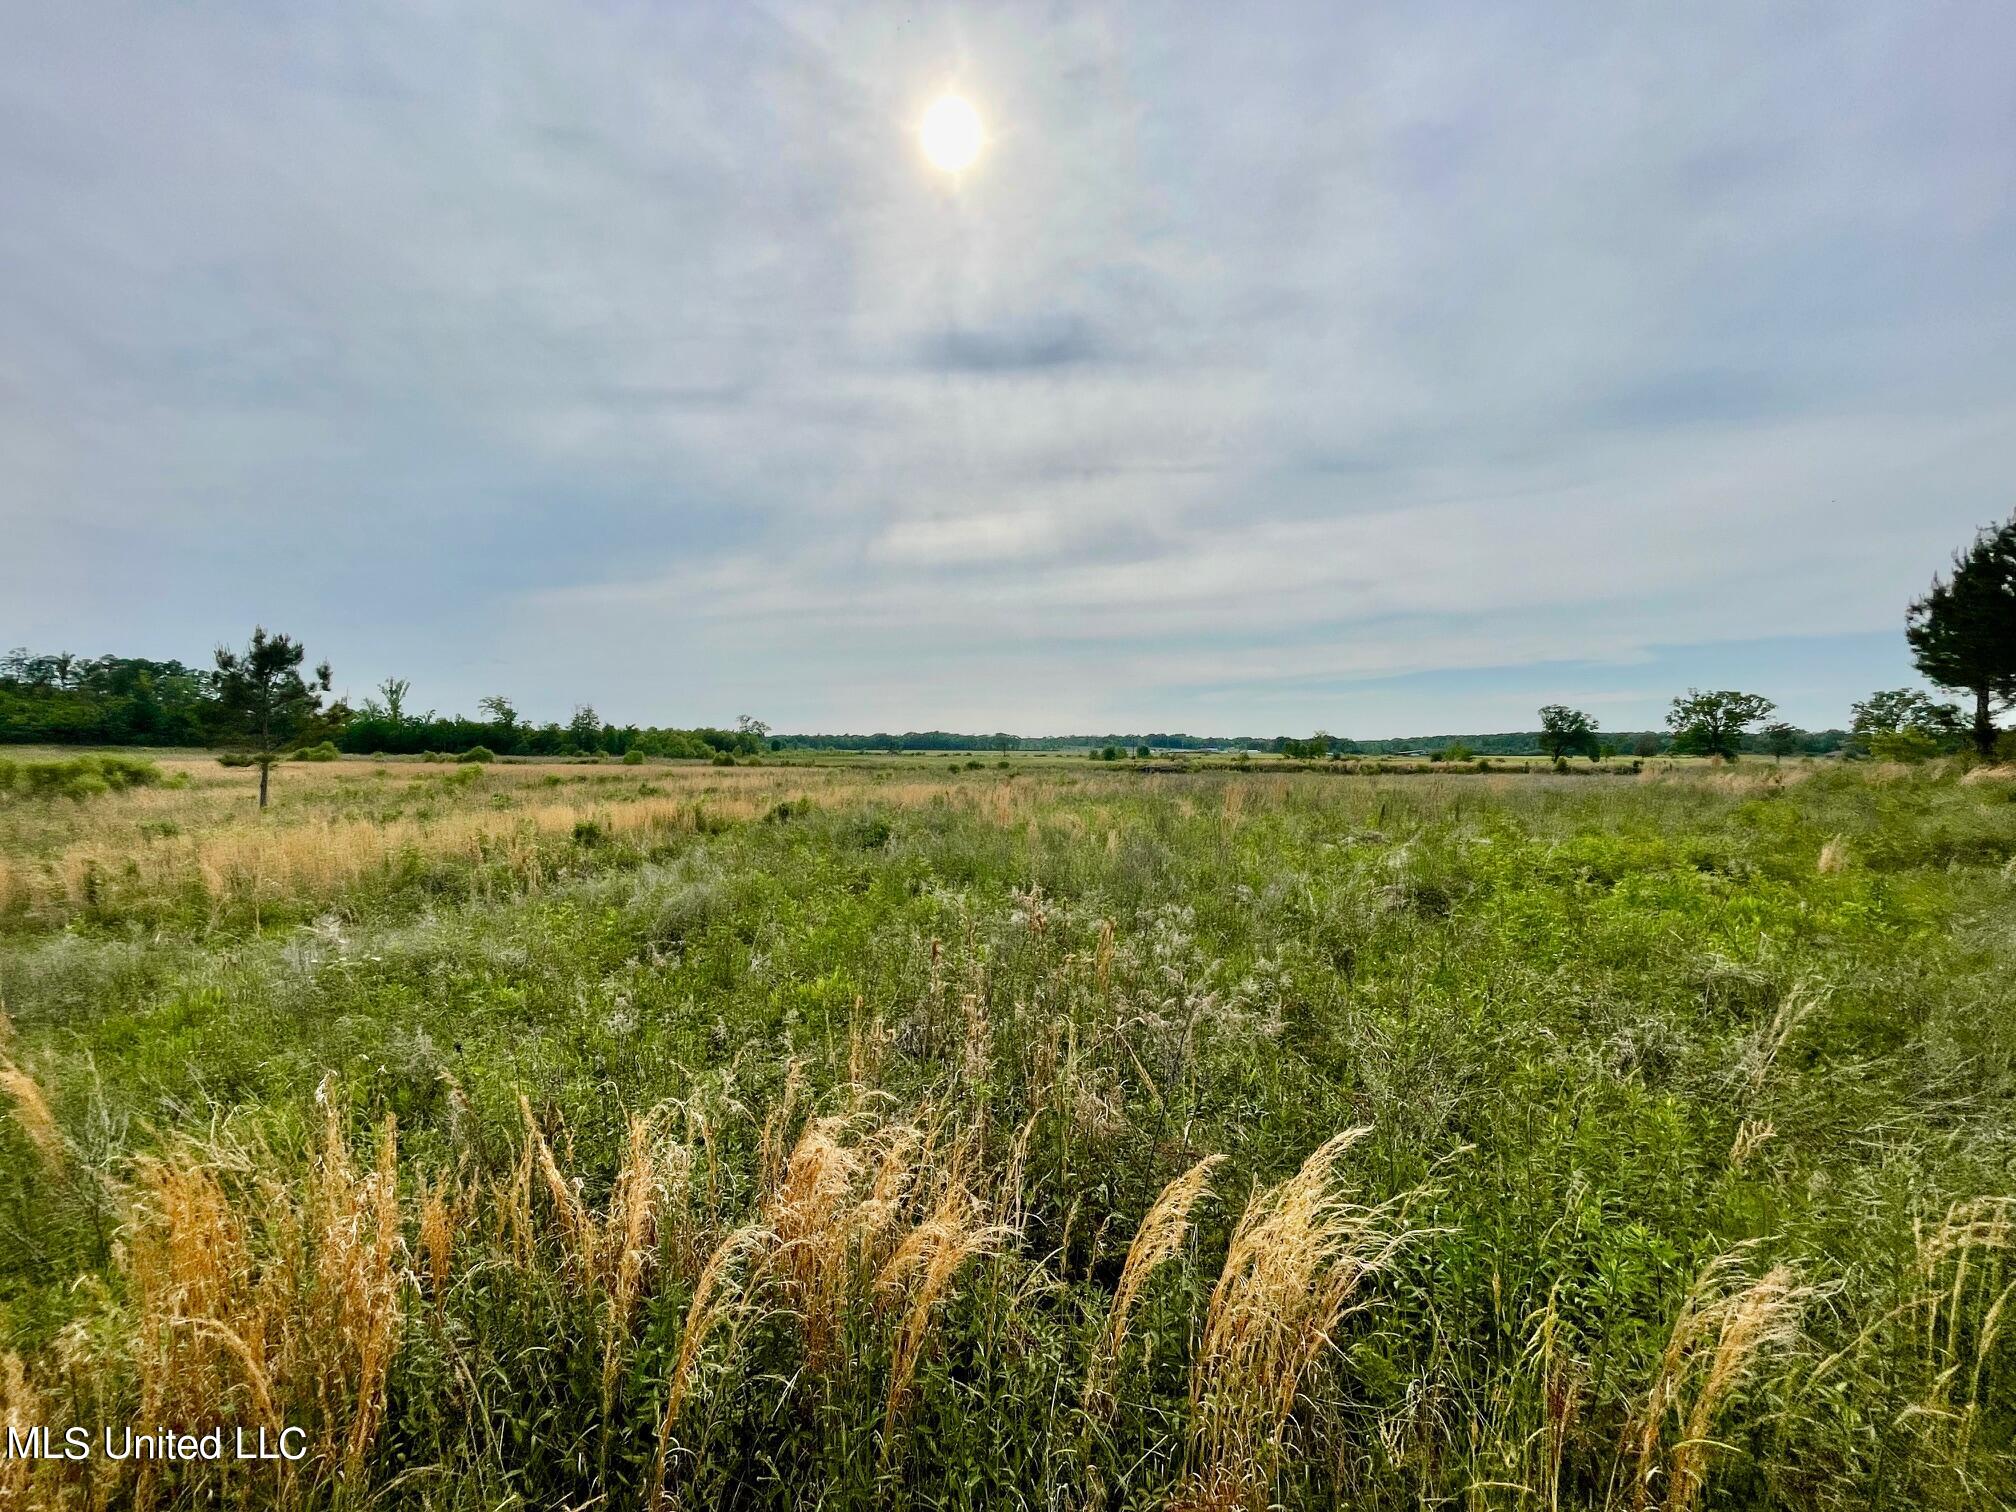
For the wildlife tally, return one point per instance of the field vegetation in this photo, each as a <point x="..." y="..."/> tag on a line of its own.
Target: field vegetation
<point x="904" y="1133"/>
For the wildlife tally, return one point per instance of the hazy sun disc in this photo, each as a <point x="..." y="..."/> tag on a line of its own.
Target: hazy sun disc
<point x="951" y="134"/>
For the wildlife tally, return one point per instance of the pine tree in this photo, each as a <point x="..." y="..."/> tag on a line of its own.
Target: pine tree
<point x="1963" y="632"/>
<point x="264" y="699"/>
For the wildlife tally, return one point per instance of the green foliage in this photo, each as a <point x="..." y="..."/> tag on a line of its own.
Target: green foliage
<point x="633" y="758"/>
<point x="477" y="755"/>
<point x="263" y="703"/>
<point x="1962" y="633"/>
<point x="1566" y="732"/>
<point x="325" y="751"/>
<point x="78" y="777"/>
<point x="1931" y="727"/>
<point x="1909" y="744"/>
<point x="1782" y="739"/>
<point x="1602" y="1033"/>
<point x="1712" y="724"/>
<point x="60" y="699"/>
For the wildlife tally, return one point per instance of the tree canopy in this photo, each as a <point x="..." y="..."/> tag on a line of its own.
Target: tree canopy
<point x="1713" y="724"/>
<point x="1963" y="631"/>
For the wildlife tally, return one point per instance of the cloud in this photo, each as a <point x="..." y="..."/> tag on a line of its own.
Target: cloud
<point x="1040" y="342"/>
<point x="1319" y="367"/>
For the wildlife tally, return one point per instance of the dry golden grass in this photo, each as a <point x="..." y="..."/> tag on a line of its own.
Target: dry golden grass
<point x="1160" y="1236"/>
<point x="33" y="1114"/>
<point x="1724" y="1327"/>
<point x="207" y="841"/>
<point x="1834" y="856"/>
<point x="1298" y="1264"/>
<point x="919" y="1276"/>
<point x="716" y="1299"/>
<point x="20" y="1410"/>
<point x="251" y="1296"/>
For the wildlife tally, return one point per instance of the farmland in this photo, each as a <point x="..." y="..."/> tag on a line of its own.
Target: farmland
<point x="915" y="1133"/>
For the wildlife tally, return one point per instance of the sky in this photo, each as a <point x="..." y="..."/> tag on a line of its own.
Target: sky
<point x="1379" y="369"/>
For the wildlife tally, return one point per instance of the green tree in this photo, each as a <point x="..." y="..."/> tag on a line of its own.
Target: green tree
<point x="264" y="700"/>
<point x="1782" y="739"/>
<point x="504" y="715"/>
<point x="1925" y="724"/>
<point x="1963" y="631"/>
<point x="394" y="690"/>
<point x="1647" y="744"/>
<point x="1565" y="731"/>
<point x="584" y="730"/>
<point x="1712" y="724"/>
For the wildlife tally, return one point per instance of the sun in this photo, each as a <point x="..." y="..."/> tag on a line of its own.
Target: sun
<point x="951" y="134"/>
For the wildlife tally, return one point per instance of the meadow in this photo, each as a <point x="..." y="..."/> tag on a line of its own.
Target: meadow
<point x="893" y="1132"/>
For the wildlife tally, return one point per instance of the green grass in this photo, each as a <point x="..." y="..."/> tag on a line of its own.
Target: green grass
<point x="1602" y="1032"/>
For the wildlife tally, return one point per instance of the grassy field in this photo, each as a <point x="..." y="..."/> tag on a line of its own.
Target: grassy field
<point x="908" y="1133"/>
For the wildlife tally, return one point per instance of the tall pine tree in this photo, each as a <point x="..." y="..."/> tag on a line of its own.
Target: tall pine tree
<point x="264" y="699"/>
<point x="1963" y="632"/>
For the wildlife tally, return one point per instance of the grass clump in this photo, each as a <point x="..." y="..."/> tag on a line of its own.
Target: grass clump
<point x="477" y="756"/>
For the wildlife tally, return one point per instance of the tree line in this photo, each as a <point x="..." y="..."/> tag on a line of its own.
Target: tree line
<point x="1962" y="635"/>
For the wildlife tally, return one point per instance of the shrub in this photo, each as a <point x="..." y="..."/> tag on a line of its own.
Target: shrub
<point x="78" y="777"/>
<point x="633" y="758"/>
<point x="723" y="758"/>
<point x="1909" y="744"/>
<point x="326" y="751"/>
<point x="477" y="755"/>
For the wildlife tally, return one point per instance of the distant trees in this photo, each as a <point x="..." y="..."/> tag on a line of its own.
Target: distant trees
<point x="1647" y="744"/>
<point x="1963" y="631"/>
<point x="1713" y="724"/>
<point x="264" y="701"/>
<point x="394" y="690"/>
<point x="1782" y="739"/>
<point x="1903" y="724"/>
<point x="59" y="698"/>
<point x="1565" y="732"/>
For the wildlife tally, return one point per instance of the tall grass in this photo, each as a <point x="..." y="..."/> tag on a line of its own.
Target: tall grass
<point x="974" y="1143"/>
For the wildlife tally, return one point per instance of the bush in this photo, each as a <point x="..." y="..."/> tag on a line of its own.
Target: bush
<point x="78" y="778"/>
<point x="723" y="758"/>
<point x="633" y="758"/>
<point x="477" y="755"/>
<point x="324" y="752"/>
<point x="1909" y="744"/>
<point x="237" y="759"/>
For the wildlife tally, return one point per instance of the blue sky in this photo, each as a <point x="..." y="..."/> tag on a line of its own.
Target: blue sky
<point x="1384" y="369"/>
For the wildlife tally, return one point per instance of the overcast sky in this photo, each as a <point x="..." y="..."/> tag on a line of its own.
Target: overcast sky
<point x="1388" y="369"/>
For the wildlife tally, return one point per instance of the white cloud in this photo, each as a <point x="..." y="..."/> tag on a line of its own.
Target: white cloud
<point x="509" y="346"/>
